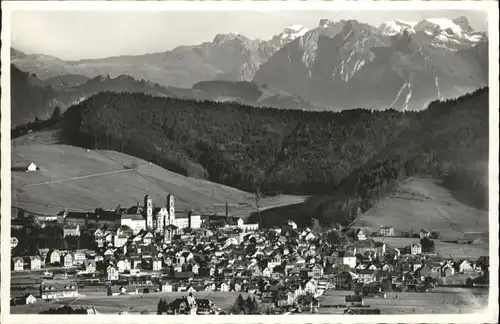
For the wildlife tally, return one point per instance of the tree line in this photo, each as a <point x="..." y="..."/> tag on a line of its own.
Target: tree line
<point x="449" y="140"/>
<point x="290" y="151"/>
<point x="347" y="160"/>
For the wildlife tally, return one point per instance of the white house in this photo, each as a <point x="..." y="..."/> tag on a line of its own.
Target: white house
<point x="350" y="260"/>
<point x="157" y="264"/>
<point x="166" y="287"/>
<point x="224" y="287"/>
<point x="30" y="299"/>
<point x="54" y="257"/>
<point x="361" y="235"/>
<point x="35" y="262"/>
<point x="416" y="248"/>
<point x="18" y="264"/>
<point x="465" y="267"/>
<point x="386" y="230"/>
<point x="121" y="265"/>
<point x="71" y="230"/>
<point x="31" y="167"/>
<point x="67" y="260"/>
<point x="311" y="286"/>
<point x="267" y="272"/>
<point x="112" y="272"/>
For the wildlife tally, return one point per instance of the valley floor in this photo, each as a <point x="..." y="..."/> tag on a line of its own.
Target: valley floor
<point x="440" y="301"/>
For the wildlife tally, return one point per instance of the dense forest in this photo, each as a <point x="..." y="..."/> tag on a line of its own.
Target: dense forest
<point x="290" y="151"/>
<point x="449" y="140"/>
<point x="345" y="159"/>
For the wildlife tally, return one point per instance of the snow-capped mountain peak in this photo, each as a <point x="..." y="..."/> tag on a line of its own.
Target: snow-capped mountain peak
<point x="444" y="32"/>
<point x="295" y="31"/>
<point x="440" y="25"/>
<point x="288" y="35"/>
<point x="397" y="27"/>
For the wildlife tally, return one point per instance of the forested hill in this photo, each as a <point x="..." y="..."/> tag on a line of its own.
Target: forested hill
<point x="30" y="98"/>
<point x="449" y="140"/>
<point x="352" y="156"/>
<point x="245" y="147"/>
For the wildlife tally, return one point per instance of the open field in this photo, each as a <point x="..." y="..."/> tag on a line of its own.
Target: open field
<point x="442" y="301"/>
<point x="77" y="179"/>
<point x="131" y="303"/>
<point x="424" y="203"/>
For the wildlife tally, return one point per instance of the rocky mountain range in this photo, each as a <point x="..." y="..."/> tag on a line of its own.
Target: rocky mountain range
<point x="337" y="65"/>
<point x="400" y="65"/>
<point x="228" y="57"/>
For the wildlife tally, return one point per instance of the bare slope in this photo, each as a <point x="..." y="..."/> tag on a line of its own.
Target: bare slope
<point x="77" y="179"/>
<point x="425" y="203"/>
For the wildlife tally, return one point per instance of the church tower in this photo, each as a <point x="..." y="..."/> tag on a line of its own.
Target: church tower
<point x="171" y="209"/>
<point x="148" y="210"/>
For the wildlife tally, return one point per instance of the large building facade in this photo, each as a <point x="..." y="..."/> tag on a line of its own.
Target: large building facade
<point x="147" y="217"/>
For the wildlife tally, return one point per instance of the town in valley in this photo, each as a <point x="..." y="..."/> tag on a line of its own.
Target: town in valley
<point x="180" y="260"/>
<point x="315" y="162"/>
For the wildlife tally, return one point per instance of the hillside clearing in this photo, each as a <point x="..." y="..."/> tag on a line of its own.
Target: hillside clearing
<point x="425" y="203"/>
<point x="77" y="179"/>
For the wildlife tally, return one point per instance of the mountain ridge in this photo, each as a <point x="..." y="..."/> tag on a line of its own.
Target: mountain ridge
<point x="345" y="57"/>
<point x="325" y="66"/>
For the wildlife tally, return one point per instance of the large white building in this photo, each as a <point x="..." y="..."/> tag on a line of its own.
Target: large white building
<point x="147" y="217"/>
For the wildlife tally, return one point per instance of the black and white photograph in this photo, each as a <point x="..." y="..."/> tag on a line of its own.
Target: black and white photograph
<point x="250" y="160"/>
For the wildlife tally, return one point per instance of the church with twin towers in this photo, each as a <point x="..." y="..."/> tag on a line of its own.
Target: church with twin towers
<point x="158" y="219"/>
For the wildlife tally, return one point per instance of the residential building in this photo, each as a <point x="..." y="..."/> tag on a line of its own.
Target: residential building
<point x="58" y="290"/>
<point x="416" y="249"/>
<point x="90" y="266"/>
<point x="35" y="262"/>
<point x="466" y="267"/>
<point x="18" y="264"/>
<point x="67" y="260"/>
<point x="386" y="230"/>
<point x="32" y="167"/>
<point x="54" y="257"/>
<point x="112" y="272"/>
<point x="71" y="230"/>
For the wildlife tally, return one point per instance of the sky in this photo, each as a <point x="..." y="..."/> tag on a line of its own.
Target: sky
<point x="73" y="35"/>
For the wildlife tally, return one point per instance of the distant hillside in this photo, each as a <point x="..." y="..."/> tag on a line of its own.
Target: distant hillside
<point x="34" y="98"/>
<point x="66" y="81"/>
<point x="77" y="179"/>
<point x="249" y="93"/>
<point x="449" y="140"/>
<point x="30" y="98"/>
<point x="426" y="203"/>
<point x="292" y="151"/>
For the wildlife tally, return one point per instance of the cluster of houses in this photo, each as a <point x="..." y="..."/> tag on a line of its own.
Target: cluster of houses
<point x="281" y="264"/>
<point x="153" y="249"/>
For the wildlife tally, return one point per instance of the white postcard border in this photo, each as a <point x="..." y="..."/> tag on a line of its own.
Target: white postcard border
<point x="489" y="315"/>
